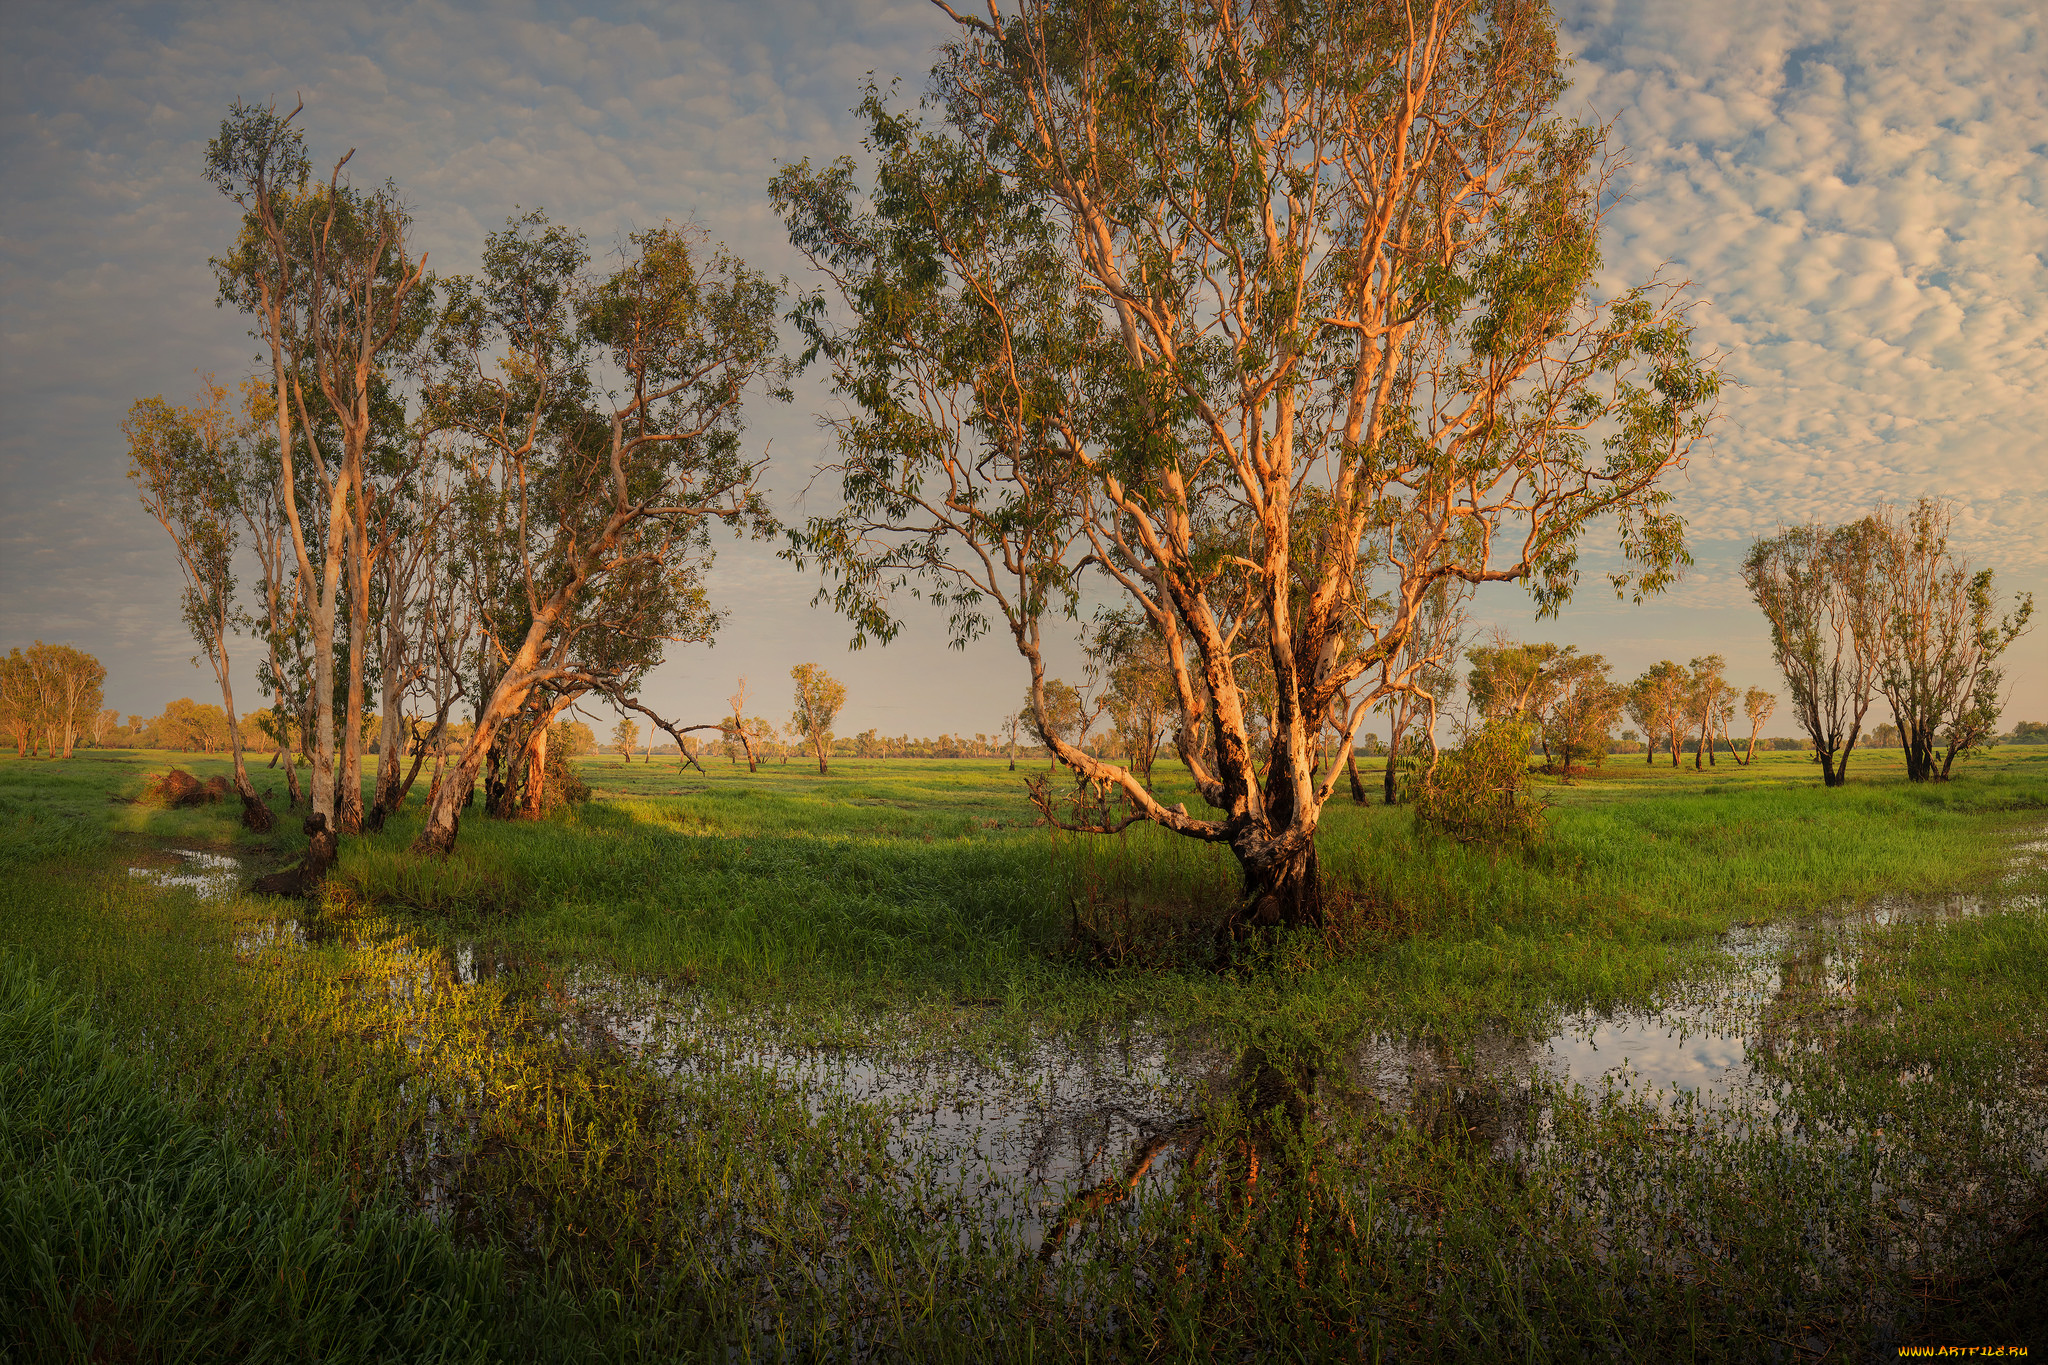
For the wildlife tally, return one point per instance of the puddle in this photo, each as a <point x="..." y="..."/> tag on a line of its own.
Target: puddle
<point x="1016" y="1137"/>
<point x="1701" y="1037"/>
<point x="209" y="876"/>
<point x="1003" y="1142"/>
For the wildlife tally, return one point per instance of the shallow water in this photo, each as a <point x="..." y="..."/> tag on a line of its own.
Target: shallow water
<point x="209" y="876"/>
<point x="1017" y="1135"/>
<point x="1006" y="1139"/>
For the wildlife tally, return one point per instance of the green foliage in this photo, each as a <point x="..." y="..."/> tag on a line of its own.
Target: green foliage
<point x="1480" y="792"/>
<point x="1063" y="716"/>
<point x="563" y="782"/>
<point x="574" y="739"/>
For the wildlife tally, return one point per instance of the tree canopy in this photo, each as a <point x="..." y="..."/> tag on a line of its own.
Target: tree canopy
<point x="1268" y="324"/>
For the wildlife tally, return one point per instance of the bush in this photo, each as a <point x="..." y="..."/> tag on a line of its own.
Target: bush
<point x="563" y="783"/>
<point x="1479" y="793"/>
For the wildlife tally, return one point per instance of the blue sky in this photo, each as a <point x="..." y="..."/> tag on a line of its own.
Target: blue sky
<point x="1859" y="192"/>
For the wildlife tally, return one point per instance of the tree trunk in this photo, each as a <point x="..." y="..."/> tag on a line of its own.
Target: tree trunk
<point x="390" y="746"/>
<point x="1918" y="743"/>
<point x="70" y="711"/>
<point x="291" y="780"/>
<point x="818" y="746"/>
<point x="1389" y="795"/>
<point x="255" y="815"/>
<point x="323" y="703"/>
<point x="507" y="699"/>
<point x="348" y="805"/>
<point x="1282" y="886"/>
<point x="1357" y="787"/>
<point x="536" y="759"/>
<point x="419" y="756"/>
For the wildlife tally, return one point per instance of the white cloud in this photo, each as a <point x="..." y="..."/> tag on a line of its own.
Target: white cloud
<point x="1859" y="192"/>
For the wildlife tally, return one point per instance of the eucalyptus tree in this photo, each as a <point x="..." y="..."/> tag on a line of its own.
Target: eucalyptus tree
<point x="327" y="273"/>
<point x="1819" y="588"/>
<point x="1645" y="705"/>
<point x="744" y="733"/>
<point x="185" y="462"/>
<point x="1520" y="682"/>
<point x="1757" y="704"/>
<point x="1131" y="659"/>
<point x="1942" y="638"/>
<point x="1706" y="691"/>
<point x="49" y="695"/>
<point x="1582" y="715"/>
<point x="818" y="698"/>
<point x="594" y="423"/>
<point x="1057" y="712"/>
<point x="1154" y="270"/>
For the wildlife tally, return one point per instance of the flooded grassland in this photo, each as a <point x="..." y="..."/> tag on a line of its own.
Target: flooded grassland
<point x="1815" y="1134"/>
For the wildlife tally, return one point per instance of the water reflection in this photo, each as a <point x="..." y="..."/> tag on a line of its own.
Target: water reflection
<point x="1031" y="1142"/>
<point x="1023" y="1137"/>
<point x="209" y="876"/>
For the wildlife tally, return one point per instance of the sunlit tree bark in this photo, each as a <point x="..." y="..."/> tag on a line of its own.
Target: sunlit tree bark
<point x="1160" y="276"/>
<point x="326" y="273"/>
<point x="585" y="507"/>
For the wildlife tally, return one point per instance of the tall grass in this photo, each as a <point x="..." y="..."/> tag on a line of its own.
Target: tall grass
<point x="133" y="1233"/>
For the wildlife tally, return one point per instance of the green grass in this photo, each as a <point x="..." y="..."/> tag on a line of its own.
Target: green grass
<point x="134" y="1233"/>
<point x="639" y="1215"/>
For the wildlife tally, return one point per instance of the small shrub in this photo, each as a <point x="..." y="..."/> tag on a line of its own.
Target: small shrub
<point x="563" y="784"/>
<point x="1479" y="793"/>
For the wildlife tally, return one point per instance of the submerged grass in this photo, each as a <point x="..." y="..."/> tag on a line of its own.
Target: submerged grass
<point x="588" y="1206"/>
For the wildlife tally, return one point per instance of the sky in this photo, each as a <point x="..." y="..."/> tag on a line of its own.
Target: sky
<point x="1857" y="190"/>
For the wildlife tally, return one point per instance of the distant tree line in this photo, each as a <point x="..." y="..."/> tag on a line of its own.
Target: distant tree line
<point x="50" y="698"/>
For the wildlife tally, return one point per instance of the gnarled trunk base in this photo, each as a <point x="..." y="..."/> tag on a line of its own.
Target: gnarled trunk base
<point x="304" y="878"/>
<point x="256" y="815"/>
<point x="1282" y="890"/>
